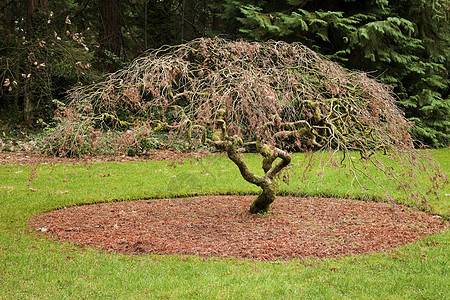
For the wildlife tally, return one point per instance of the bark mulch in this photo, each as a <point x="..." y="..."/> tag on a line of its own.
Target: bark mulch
<point x="221" y="226"/>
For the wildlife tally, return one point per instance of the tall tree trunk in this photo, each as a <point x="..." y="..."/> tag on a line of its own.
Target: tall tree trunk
<point x="187" y="20"/>
<point x="217" y="25"/>
<point x="110" y="28"/>
<point x="27" y="104"/>
<point x="145" y="25"/>
<point x="15" y="104"/>
<point x="34" y="8"/>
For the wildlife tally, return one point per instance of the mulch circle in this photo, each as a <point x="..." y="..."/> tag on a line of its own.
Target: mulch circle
<point x="221" y="226"/>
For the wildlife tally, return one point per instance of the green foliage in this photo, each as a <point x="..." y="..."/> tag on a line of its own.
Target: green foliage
<point x="404" y="43"/>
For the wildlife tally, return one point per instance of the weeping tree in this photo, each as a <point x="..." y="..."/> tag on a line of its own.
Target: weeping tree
<point x="270" y="97"/>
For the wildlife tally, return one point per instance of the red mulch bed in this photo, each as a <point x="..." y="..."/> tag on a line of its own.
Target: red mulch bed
<point x="221" y="226"/>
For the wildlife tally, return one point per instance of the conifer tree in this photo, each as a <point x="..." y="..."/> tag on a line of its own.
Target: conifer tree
<point x="404" y="43"/>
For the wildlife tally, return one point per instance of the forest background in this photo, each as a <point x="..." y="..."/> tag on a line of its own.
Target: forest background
<point x="48" y="47"/>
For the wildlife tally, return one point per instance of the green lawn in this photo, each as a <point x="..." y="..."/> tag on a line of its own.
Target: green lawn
<point x="34" y="267"/>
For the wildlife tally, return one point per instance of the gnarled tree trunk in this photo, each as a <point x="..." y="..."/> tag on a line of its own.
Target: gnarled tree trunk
<point x="267" y="182"/>
<point x="263" y="201"/>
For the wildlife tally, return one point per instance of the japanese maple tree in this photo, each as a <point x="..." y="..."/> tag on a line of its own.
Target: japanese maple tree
<point x="270" y="97"/>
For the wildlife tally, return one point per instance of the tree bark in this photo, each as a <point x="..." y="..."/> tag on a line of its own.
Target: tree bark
<point x="187" y="20"/>
<point x="34" y="7"/>
<point x="267" y="182"/>
<point x="110" y="28"/>
<point x="217" y="26"/>
<point x="27" y="104"/>
<point x="264" y="200"/>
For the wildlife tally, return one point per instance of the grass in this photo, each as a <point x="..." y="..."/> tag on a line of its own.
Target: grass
<point x="34" y="267"/>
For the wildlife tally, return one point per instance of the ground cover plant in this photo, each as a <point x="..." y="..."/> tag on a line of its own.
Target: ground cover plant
<point x="266" y="97"/>
<point x="35" y="267"/>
